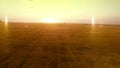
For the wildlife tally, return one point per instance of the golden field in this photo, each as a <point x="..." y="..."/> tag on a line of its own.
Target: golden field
<point x="30" y="45"/>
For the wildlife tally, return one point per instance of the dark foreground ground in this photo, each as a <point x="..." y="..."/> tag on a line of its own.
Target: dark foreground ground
<point x="59" y="46"/>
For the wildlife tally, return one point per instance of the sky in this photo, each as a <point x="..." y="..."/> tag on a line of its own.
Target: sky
<point x="104" y="11"/>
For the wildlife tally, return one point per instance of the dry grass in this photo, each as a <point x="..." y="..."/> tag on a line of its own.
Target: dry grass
<point x="59" y="46"/>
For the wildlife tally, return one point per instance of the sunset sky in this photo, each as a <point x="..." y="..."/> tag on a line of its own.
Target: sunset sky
<point x="64" y="10"/>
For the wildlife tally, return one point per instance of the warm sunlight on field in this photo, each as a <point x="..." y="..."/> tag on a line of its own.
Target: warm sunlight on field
<point x="50" y="20"/>
<point x="59" y="34"/>
<point x="36" y="45"/>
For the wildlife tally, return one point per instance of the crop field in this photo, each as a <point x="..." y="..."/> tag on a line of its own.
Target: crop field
<point x="30" y="45"/>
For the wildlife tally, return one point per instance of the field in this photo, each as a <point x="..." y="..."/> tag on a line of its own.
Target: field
<point x="59" y="46"/>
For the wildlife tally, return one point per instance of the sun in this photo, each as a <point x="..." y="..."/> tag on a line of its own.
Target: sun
<point x="50" y="20"/>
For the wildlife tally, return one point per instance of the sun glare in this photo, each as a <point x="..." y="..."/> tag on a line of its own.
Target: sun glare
<point x="93" y="23"/>
<point x="50" y="20"/>
<point x="6" y="20"/>
<point x="93" y="20"/>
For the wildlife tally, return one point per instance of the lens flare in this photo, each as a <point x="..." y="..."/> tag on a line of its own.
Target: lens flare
<point x="93" y="20"/>
<point x="93" y="24"/>
<point x="6" y="20"/>
<point x="6" y="24"/>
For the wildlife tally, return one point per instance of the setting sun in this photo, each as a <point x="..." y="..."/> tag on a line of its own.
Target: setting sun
<point x="50" y="20"/>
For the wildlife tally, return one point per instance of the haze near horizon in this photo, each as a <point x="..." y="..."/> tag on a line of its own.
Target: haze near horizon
<point x="75" y="11"/>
